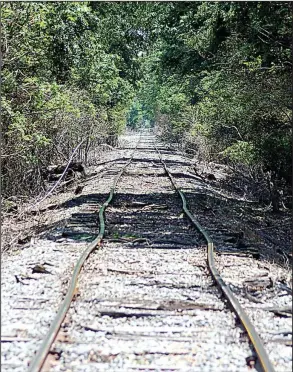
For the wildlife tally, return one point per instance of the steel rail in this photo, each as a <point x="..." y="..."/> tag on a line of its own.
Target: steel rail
<point x="45" y="347"/>
<point x="254" y="337"/>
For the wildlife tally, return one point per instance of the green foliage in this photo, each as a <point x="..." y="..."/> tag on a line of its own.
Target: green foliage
<point x="213" y="70"/>
<point x="65" y="77"/>
<point x="240" y="152"/>
<point x="222" y="71"/>
<point x="135" y="115"/>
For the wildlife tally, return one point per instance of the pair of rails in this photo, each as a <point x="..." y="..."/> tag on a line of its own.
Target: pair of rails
<point x="255" y="339"/>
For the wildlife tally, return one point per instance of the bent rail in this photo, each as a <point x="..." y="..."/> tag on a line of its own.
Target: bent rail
<point x="256" y="341"/>
<point x="237" y="308"/>
<point x="45" y="347"/>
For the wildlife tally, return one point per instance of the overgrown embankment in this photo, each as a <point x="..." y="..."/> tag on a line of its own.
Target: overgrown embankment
<point x="214" y="77"/>
<point x="218" y="83"/>
<point x="65" y="79"/>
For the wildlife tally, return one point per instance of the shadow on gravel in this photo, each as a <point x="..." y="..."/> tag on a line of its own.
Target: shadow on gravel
<point x="95" y="199"/>
<point x="80" y="227"/>
<point x="245" y="227"/>
<point x="163" y="151"/>
<point x="146" y="160"/>
<point x="156" y="218"/>
<point x="156" y="221"/>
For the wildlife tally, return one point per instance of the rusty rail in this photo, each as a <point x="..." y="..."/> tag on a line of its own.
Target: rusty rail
<point x="224" y="288"/>
<point x="45" y="347"/>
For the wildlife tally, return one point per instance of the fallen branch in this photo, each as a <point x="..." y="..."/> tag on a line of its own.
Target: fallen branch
<point x="15" y="339"/>
<point x="141" y="240"/>
<point x="106" y="145"/>
<point x="123" y="271"/>
<point x="251" y="298"/>
<point x="55" y="185"/>
<point x="63" y="174"/>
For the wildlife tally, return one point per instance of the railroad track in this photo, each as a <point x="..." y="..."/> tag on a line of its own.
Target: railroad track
<point x="151" y="271"/>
